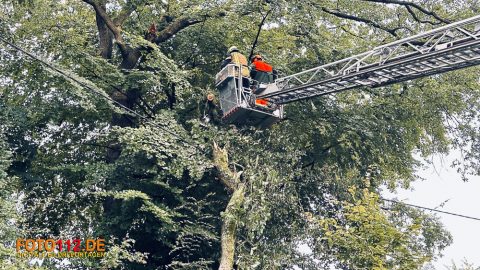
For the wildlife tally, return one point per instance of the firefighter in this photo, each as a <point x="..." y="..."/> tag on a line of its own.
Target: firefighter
<point x="235" y="57"/>
<point x="211" y="112"/>
<point x="261" y="71"/>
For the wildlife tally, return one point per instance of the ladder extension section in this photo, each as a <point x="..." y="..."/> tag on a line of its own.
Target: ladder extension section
<point x="447" y="48"/>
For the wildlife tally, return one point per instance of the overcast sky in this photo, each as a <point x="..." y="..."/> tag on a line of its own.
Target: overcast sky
<point x="444" y="183"/>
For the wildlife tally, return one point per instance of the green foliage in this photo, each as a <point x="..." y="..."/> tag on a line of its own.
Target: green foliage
<point x="151" y="189"/>
<point x="121" y="252"/>
<point x="9" y="198"/>
<point x="465" y="266"/>
<point x="365" y="237"/>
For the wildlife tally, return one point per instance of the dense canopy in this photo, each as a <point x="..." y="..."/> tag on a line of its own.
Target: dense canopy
<point x="111" y="143"/>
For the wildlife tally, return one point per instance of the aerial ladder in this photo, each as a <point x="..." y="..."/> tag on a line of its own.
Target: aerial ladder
<point x="451" y="47"/>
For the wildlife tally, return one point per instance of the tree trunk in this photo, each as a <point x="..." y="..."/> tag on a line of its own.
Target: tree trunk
<point x="130" y="58"/>
<point x="105" y="36"/>
<point x="229" y="228"/>
<point x="231" y="180"/>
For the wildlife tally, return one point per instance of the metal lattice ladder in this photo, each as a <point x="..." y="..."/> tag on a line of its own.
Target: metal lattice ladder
<point x="447" y="48"/>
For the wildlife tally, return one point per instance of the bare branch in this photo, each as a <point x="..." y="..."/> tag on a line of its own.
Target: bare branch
<point x="260" y="25"/>
<point x="339" y="14"/>
<point x="416" y="18"/>
<point x="411" y="5"/>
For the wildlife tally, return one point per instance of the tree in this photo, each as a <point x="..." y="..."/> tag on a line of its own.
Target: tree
<point x="465" y="266"/>
<point x="171" y="192"/>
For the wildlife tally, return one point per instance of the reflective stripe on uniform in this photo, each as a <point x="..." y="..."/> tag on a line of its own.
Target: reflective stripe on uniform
<point x="240" y="59"/>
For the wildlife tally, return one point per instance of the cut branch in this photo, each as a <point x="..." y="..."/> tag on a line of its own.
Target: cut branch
<point x="228" y="178"/>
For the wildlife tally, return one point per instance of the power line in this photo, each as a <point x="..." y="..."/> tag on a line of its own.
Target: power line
<point x="86" y="86"/>
<point x="430" y="209"/>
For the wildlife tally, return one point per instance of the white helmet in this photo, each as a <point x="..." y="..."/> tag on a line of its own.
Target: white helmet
<point x="233" y="49"/>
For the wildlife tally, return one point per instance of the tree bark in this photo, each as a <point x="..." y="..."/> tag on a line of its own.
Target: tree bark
<point x="231" y="180"/>
<point x="130" y="58"/>
<point x="105" y="36"/>
<point x="229" y="228"/>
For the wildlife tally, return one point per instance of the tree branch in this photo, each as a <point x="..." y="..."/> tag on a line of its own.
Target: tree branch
<point x="175" y="27"/>
<point x="123" y="15"/>
<point x="351" y="33"/>
<point x="411" y="5"/>
<point x="181" y="23"/>
<point x="339" y="14"/>
<point x="258" y="34"/>
<point x="228" y="178"/>
<point x="416" y="18"/>
<point x="110" y="24"/>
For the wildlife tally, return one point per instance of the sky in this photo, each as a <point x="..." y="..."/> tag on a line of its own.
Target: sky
<point x="443" y="183"/>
